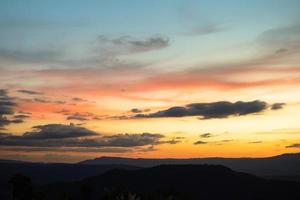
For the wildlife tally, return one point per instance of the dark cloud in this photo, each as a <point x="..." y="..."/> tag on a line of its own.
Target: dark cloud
<point x="58" y="131"/>
<point x="80" y="116"/>
<point x="136" y="110"/>
<point x="206" y="135"/>
<point x="4" y="121"/>
<point x="226" y="141"/>
<point x="42" y="100"/>
<point x="30" y="92"/>
<point x="127" y="140"/>
<point x="58" y="135"/>
<point x="296" y="145"/>
<point x="277" y="106"/>
<point x="7" y="105"/>
<point x="21" y="116"/>
<point x="221" y="109"/>
<point x="51" y="135"/>
<point x="255" y="142"/>
<point x="199" y="142"/>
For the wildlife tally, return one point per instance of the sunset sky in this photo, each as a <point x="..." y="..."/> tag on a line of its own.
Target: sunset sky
<point x="174" y="78"/>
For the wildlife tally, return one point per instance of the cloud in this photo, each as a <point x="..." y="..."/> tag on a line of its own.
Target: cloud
<point x="29" y="92"/>
<point x="80" y="116"/>
<point x="42" y="100"/>
<point x="77" y="116"/>
<point x="77" y="99"/>
<point x="58" y="131"/>
<point x="205" y="30"/>
<point x="32" y="56"/>
<point x="4" y="121"/>
<point x="21" y="116"/>
<point x="285" y="39"/>
<point x="59" y="135"/>
<point x="137" y="110"/>
<point x="255" y="142"/>
<point x="296" y="145"/>
<point x="277" y="106"/>
<point x="130" y="45"/>
<point x="206" y="135"/>
<point x="281" y="50"/>
<point x="7" y="105"/>
<point x="225" y="141"/>
<point x="127" y="140"/>
<point x="199" y="142"/>
<point x="221" y="109"/>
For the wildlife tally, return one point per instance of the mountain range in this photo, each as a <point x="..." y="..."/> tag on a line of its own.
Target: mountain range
<point x="286" y="166"/>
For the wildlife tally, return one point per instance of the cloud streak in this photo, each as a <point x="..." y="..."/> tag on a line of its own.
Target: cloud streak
<point x="31" y="92"/>
<point x="7" y="106"/>
<point x="130" y="45"/>
<point x="296" y="145"/>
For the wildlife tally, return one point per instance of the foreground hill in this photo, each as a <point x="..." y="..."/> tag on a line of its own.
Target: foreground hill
<point x="286" y="166"/>
<point x="42" y="173"/>
<point x="199" y="182"/>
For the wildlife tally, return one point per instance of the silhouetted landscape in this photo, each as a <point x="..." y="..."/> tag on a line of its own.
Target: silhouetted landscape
<point x="124" y="178"/>
<point x="149" y="100"/>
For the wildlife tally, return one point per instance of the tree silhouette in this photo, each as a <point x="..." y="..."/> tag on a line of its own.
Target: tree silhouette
<point x="86" y="192"/>
<point x="21" y="187"/>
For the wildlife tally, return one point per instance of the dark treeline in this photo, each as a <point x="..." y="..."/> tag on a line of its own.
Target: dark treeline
<point x="167" y="182"/>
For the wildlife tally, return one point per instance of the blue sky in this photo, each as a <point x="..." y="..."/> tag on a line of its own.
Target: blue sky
<point x="41" y="22"/>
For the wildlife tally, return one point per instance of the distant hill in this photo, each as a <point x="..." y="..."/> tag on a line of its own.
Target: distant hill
<point x="195" y="182"/>
<point x="285" y="166"/>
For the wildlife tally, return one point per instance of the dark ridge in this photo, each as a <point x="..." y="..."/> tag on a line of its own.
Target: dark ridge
<point x="176" y="182"/>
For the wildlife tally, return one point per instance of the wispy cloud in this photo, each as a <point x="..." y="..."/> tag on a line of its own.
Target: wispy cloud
<point x="7" y="107"/>
<point x="31" y="92"/>
<point x="296" y="145"/>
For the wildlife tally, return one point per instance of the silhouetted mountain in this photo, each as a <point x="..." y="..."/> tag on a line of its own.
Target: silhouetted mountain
<point x="199" y="182"/>
<point x="42" y="173"/>
<point x="285" y="166"/>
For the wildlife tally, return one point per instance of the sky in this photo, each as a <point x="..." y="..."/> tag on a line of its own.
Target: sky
<point x="152" y="79"/>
